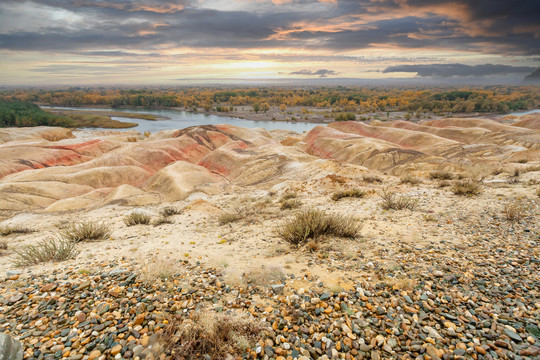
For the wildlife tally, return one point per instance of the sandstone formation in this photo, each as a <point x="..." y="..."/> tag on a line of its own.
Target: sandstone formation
<point x="54" y="169"/>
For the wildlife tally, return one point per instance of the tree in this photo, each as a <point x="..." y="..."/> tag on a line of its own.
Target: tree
<point x="265" y="107"/>
<point x="282" y="107"/>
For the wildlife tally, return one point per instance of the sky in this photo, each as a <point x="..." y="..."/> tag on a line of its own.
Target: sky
<point x="182" y="42"/>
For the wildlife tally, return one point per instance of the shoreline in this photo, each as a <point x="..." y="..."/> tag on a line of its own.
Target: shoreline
<point x="292" y="115"/>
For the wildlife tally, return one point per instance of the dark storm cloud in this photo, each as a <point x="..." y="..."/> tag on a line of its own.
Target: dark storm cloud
<point x="451" y="70"/>
<point x="320" y="73"/>
<point x="495" y="26"/>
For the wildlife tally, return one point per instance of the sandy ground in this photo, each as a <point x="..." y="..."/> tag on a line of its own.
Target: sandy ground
<point x="251" y="243"/>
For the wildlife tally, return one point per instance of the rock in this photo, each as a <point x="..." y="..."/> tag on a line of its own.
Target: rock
<point x="10" y="349"/>
<point x="277" y="289"/>
<point x="512" y="335"/>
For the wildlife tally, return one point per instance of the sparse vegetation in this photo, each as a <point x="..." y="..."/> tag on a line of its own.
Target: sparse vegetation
<point x="169" y="211"/>
<point x="429" y="217"/>
<point x="16" y="229"/>
<point x="264" y="276"/>
<point x="313" y="224"/>
<point x="45" y="251"/>
<point x="209" y="335"/>
<point x="372" y="179"/>
<point x="441" y="175"/>
<point x="288" y="196"/>
<point x="163" y="220"/>
<point x="158" y="268"/>
<point x="409" y="179"/>
<point x="3" y="246"/>
<point x="290" y="204"/>
<point x="515" y="210"/>
<point x="354" y="193"/>
<point x="466" y="188"/>
<point x="86" y="231"/>
<point x="228" y="217"/>
<point x="137" y="218"/>
<point x="391" y="201"/>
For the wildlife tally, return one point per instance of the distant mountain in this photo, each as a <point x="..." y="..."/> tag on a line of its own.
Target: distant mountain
<point x="533" y="77"/>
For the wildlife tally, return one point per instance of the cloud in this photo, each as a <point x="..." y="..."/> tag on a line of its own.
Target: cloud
<point x="453" y="70"/>
<point x="320" y="73"/>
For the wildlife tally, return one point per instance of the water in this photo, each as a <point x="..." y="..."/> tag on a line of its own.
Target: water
<point x="183" y="119"/>
<point x="519" y="113"/>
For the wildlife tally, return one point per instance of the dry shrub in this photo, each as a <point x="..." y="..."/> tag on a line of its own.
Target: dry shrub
<point x="288" y="196"/>
<point x="538" y="192"/>
<point x="169" y="211"/>
<point x="391" y="201"/>
<point x="515" y="210"/>
<point x="44" y="251"/>
<point x="443" y="184"/>
<point x="163" y="220"/>
<point x="312" y="224"/>
<point x="16" y="229"/>
<point x="372" y="179"/>
<point x="85" y="231"/>
<point x="209" y="335"/>
<point x="409" y="179"/>
<point x="137" y="218"/>
<point x="354" y="193"/>
<point x="3" y="246"/>
<point x="158" y="268"/>
<point x="441" y="175"/>
<point x="264" y="275"/>
<point x="466" y="188"/>
<point x="290" y="204"/>
<point x="227" y="218"/>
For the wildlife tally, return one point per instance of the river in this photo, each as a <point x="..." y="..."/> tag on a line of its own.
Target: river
<point x="183" y="119"/>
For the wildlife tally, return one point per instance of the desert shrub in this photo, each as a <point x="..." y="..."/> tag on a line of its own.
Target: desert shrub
<point x="441" y="175"/>
<point x="522" y="161"/>
<point x="169" y="211"/>
<point x="137" y="218"/>
<point x="409" y="179"/>
<point x="288" y="196"/>
<point x="228" y="217"/>
<point x="16" y="229"/>
<point x="443" y="184"/>
<point x="264" y="275"/>
<point x="3" y="246"/>
<point x="429" y="217"/>
<point x="86" y="231"/>
<point x="44" y="251"/>
<point x="372" y="179"/>
<point x="158" y="268"/>
<point x="466" y="188"/>
<point x="290" y="204"/>
<point x="355" y="193"/>
<point x="538" y="192"/>
<point x="312" y="224"/>
<point x="208" y="335"/>
<point x="515" y="210"/>
<point x="163" y="220"/>
<point x="344" y="116"/>
<point x="391" y="201"/>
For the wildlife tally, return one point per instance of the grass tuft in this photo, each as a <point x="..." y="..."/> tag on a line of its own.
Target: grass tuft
<point x="290" y="204"/>
<point x="467" y="188"/>
<point x="372" y="179"/>
<point x="288" y="196"/>
<point x="353" y="193"/>
<point x="312" y="224"/>
<point x="227" y="218"/>
<point x="441" y="175"/>
<point x="163" y="220"/>
<point x="515" y="210"/>
<point x="391" y="201"/>
<point x="169" y="211"/>
<point x="409" y="179"/>
<point x="209" y="335"/>
<point x="16" y="229"/>
<point x="137" y="218"/>
<point x="3" y="246"/>
<point x="86" y="231"/>
<point x="45" y="251"/>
